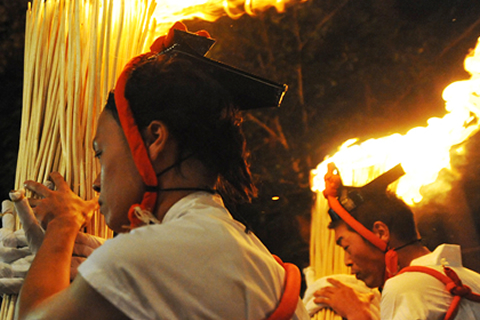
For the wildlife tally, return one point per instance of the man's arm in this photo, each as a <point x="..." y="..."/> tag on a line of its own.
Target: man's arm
<point x="50" y="270"/>
<point x="78" y="301"/>
<point x="46" y="292"/>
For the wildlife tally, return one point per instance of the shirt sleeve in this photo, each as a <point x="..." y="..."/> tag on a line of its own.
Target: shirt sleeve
<point x="113" y="272"/>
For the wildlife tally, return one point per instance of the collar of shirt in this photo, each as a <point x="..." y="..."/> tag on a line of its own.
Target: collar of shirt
<point x="444" y="254"/>
<point x="182" y="205"/>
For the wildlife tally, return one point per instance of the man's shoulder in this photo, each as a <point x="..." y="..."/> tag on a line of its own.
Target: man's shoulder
<point x="412" y="281"/>
<point x="413" y="295"/>
<point x="424" y="283"/>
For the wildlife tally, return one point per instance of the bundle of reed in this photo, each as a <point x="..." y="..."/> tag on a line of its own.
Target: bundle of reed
<point x="326" y="258"/>
<point x="74" y="51"/>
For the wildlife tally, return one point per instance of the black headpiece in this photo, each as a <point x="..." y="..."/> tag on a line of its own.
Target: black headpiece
<point x="247" y="90"/>
<point x="352" y="197"/>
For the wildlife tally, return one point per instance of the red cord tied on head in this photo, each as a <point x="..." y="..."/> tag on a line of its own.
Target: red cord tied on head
<point x="342" y="199"/>
<point x="246" y="90"/>
<point x="140" y="214"/>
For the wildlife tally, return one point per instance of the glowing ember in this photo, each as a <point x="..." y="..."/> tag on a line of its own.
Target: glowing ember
<point x="422" y="151"/>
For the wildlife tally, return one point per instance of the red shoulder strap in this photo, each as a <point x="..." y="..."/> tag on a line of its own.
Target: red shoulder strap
<point x="453" y="284"/>
<point x="291" y="293"/>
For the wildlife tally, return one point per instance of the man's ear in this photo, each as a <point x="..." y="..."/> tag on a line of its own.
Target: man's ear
<point x="381" y="230"/>
<point x="156" y="136"/>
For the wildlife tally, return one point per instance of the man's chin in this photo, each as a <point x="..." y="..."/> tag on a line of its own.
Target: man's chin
<point x="371" y="283"/>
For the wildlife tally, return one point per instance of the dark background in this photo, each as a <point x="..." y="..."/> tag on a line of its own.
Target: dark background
<point x="354" y="69"/>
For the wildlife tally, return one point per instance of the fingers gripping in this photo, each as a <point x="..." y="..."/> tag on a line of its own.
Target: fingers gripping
<point x="15" y="260"/>
<point x="61" y="203"/>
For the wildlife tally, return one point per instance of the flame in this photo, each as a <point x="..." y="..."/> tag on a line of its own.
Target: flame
<point x="159" y="16"/>
<point x="167" y="12"/>
<point x="422" y="151"/>
<point x="170" y="11"/>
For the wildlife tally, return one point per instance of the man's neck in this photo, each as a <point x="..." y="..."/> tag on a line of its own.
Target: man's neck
<point x="409" y="253"/>
<point x="191" y="177"/>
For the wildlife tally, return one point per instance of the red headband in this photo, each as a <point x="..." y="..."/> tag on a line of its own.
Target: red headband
<point x="130" y="129"/>
<point x="332" y="183"/>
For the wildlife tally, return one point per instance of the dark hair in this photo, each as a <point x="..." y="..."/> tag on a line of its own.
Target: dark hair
<point x="391" y="210"/>
<point x="198" y="113"/>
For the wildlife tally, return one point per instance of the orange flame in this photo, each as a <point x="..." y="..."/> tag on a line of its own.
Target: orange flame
<point x="212" y="9"/>
<point x="422" y="151"/>
<point x="170" y="11"/>
<point x="160" y="15"/>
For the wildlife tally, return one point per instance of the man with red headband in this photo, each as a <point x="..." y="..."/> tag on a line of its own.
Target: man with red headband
<point x="382" y="246"/>
<point x="169" y="143"/>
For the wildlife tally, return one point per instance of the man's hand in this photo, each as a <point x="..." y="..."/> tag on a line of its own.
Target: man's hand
<point x="61" y="204"/>
<point x="85" y="244"/>
<point x="16" y="255"/>
<point x="343" y="293"/>
<point x="345" y="301"/>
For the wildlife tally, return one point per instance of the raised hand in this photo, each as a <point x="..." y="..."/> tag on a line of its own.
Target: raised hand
<point x="16" y="255"/>
<point x="61" y="204"/>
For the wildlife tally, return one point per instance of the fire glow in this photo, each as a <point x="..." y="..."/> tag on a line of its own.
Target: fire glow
<point x="167" y="12"/>
<point x="422" y="151"/>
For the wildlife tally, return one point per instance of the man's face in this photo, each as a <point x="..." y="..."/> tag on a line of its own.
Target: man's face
<point x="367" y="262"/>
<point x="119" y="182"/>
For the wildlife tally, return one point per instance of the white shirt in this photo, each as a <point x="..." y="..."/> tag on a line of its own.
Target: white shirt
<point x="197" y="264"/>
<point x="416" y="295"/>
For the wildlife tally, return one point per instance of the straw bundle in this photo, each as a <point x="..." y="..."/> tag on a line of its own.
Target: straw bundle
<point x="326" y="258"/>
<point x="74" y="51"/>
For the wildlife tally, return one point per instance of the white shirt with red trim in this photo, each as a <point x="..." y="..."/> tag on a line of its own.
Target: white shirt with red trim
<point x="416" y="295"/>
<point x="197" y="264"/>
